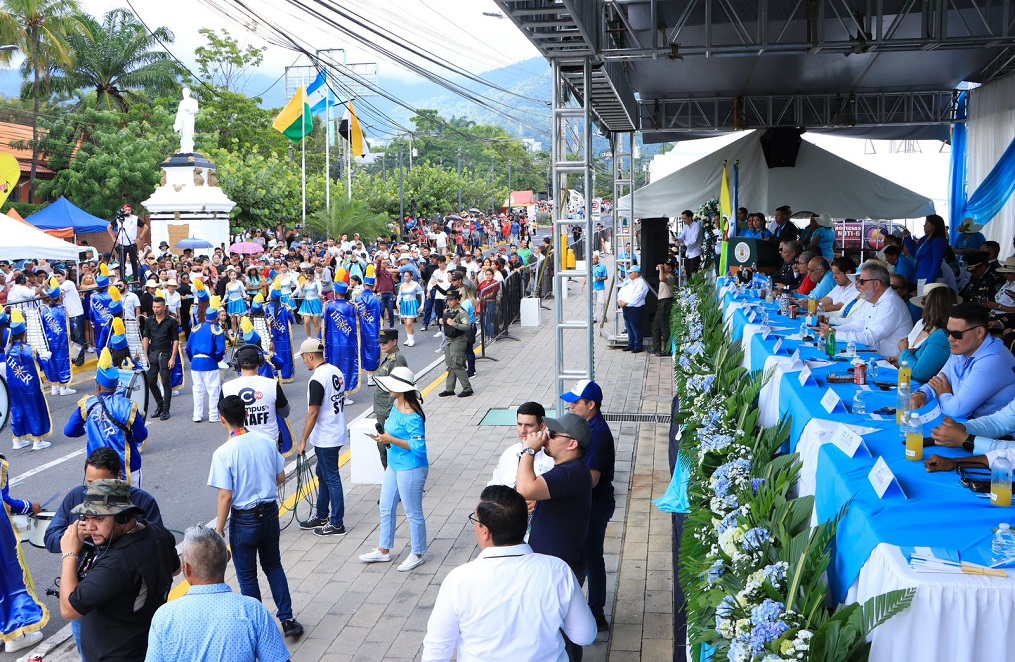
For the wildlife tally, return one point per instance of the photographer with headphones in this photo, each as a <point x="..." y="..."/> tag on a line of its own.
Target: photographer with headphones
<point x="262" y="396"/>
<point x="130" y="578"/>
<point x="125" y="230"/>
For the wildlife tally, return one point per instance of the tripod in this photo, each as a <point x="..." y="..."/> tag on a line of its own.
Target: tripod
<point x="123" y="245"/>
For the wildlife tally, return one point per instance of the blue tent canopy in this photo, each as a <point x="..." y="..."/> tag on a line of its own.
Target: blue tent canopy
<point x="62" y="214"/>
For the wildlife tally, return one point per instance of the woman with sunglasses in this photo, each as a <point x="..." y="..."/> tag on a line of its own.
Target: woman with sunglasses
<point x="926" y="348"/>
<point x="405" y="436"/>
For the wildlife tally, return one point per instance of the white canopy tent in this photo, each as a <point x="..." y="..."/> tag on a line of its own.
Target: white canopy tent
<point x="22" y="241"/>
<point x="820" y="182"/>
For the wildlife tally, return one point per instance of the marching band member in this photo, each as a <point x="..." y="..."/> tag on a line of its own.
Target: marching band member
<point x="56" y="326"/>
<point x="30" y="419"/>
<point x="369" y="310"/>
<point x="280" y="324"/>
<point x="341" y="334"/>
<point x="206" y="347"/>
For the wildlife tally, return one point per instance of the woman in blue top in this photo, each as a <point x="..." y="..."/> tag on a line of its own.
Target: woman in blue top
<point x="930" y="250"/>
<point x="820" y="236"/>
<point x="926" y="349"/>
<point x="405" y="435"/>
<point x="756" y="228"/>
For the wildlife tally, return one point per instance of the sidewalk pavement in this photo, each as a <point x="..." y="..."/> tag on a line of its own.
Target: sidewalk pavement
<point x="355" y="611"/>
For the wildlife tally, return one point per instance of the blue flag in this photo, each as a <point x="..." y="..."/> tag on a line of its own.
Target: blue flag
<point x="317" y="94"/>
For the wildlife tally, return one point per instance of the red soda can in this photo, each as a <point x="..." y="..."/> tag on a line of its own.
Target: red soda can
<point x="793" y="311"/>
<point x="860" y="373"/>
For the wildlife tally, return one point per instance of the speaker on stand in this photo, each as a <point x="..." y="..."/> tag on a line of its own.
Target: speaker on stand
<point x="655" y="249"/>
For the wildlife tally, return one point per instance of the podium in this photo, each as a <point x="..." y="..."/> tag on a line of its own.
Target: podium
<point x="759" y="254"/>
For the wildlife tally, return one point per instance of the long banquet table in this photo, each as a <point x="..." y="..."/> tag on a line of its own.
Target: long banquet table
<point x="954" y="616"/>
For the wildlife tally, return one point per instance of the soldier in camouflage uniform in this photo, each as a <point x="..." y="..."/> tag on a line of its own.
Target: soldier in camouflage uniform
<point x="455" y="324"/>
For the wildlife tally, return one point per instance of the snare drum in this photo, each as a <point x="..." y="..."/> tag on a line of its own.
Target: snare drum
<point x="37" y="526"/>
<point x="134" y="386"/>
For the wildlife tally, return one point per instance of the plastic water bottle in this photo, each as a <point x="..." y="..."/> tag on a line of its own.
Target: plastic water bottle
<point x="905" y="375"/>
<point x="851" y="349"/>
<point x="860" y="402"/>
<point x="872" y="368"/>
<point x="830" y="347"/>
<point x="1002" y="548"/>
<point x="1000" y="482"/>
<point x="914" y="442"/>
<point x="903" y="403"/>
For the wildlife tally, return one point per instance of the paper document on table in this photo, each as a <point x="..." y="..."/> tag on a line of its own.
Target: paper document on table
<point x="816" y="364"/>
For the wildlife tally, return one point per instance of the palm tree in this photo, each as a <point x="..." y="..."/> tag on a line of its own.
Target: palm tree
<point x="120" y="60"/>
<point x="40" y="29"/>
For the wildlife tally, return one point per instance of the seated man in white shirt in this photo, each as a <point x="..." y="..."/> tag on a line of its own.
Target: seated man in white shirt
<point x="979" y="377"/>
<point x="885" y="322"/>
<point x="509" y="603"/>
<point x="530" y="417"/>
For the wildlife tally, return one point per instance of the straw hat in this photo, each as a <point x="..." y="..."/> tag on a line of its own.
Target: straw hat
<point x="400" y="380"/>
<point x="1007" y="267"/>
<point x="969" y="226"/>
<point x="824" y="220"/>
<point x="927" y="289"/>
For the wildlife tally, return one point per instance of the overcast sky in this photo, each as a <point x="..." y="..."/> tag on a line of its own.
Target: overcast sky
<point x="457" y="30"/>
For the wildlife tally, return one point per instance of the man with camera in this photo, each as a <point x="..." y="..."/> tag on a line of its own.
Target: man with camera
<point x="455" y="325"/>
<point x="129" y="578"/>
<point x="125" y="230"/>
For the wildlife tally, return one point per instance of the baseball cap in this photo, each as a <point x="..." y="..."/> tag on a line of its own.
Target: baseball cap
<point x="634" y="270"/>
<point x="573" y="426"/>
<point x="584" y="390"/>
<point x="310" y="346"/>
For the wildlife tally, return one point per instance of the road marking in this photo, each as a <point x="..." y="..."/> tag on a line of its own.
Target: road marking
<point x="42" y="467"/>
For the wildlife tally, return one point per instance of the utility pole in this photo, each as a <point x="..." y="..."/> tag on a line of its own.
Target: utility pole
<point x="510" y="188"/>
<point x="493" y="194"/>
<point x="401" y="188"/>
<point x="459" y="179"/>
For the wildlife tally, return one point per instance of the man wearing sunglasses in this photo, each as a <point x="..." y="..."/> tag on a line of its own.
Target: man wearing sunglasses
<point x="979" y="377"/>
<point x="885" y="321"/>
<point x="563" y="495"/>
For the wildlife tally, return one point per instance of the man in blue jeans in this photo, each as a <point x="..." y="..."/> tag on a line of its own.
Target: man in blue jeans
<point x="247" y="471"/>
<point x="327" y="431"/>
<point x="586" y="400"/>
<point x="631" y="299"/>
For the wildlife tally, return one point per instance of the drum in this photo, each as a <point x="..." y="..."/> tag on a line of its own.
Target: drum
<point x="22" y="523"/>
<point x="5" y="403"/>
<point x="134" y="386"/>
<point x="37" y="528"/>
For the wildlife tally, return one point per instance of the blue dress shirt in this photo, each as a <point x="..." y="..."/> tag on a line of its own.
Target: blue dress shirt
<point x="981" y="384"/>
<point x="906" y="267"/>
<point x="211" y="622"/>
<point x="822" y="289"/>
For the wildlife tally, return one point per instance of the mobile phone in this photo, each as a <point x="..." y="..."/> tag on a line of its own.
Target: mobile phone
<point x="885" y="411"/>
<point x="371" y="435"/>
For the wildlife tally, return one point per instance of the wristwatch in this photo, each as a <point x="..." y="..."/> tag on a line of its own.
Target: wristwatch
<point x="968" y="445"/>
<point x="527" y="451"/>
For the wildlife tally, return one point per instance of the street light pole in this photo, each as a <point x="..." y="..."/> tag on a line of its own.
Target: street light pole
<point x="401" y="188"/>
<point x="459" y="179"/>
<point x="493" y="194"/>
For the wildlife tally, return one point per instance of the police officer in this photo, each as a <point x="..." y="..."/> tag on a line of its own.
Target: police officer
<point x="455" y="324"/>
<point x="262" y="396"/>
<point x="391" y="359"/>
<point x="111" y="420"/>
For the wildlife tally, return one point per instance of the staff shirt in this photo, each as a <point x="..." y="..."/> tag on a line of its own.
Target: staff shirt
<point x="326" y="389"/>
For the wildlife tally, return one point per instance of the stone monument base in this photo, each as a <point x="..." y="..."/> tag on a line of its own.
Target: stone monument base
<point x="189" y="203"/>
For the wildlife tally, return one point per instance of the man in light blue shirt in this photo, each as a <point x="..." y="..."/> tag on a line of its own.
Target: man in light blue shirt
<point x="820" y="272"/>
<point x="599" y="277"/>
<point x="979" y="378"/>
<point x="211" y="622"/>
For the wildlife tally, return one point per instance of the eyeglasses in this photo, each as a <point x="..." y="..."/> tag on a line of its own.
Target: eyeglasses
<point x="554" y="435"/>
<point x="861" y="281"/>
<point x="474" y="519"/>
<point x="958" y="334"/>
<point x="899" y="288"/>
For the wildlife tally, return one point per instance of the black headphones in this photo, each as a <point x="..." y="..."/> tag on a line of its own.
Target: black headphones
<point x="237" y="359"/>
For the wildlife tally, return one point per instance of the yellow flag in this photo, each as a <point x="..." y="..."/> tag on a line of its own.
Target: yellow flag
<point x="726" y="214"/>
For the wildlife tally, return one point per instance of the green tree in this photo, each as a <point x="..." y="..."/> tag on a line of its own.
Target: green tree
<point x="349" y="216"/>
<point x="266" y="188"/>
<point x="231" y="121"/>
<point x="40" y="29"/>
<point x="120" y="60"/>
<point x="225" y="63"/>
<point x="116" y="160"/>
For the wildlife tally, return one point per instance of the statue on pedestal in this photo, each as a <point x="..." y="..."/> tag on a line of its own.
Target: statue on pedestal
<point x="184" y="123"/>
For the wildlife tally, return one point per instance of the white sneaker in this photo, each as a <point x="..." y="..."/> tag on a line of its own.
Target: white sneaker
<point x="20" y="443"/>
<point x="40" y="444"/>
<point x="439" y="350"/>
<point x="370" y="380"/>
<point x="375" y="556"/>
<point x="411" y="561"/>
<point x="410" y="341"/>
<point x="196" y="418"/>
<point x="66" y="390"/>
<point x="91" y="350"/>
<point x="439" y="334"/>
<point x="22" y="642"/>
<point x="213" y="420"/>
<point x="55" y="390"/>
<point x="348" y="401"/>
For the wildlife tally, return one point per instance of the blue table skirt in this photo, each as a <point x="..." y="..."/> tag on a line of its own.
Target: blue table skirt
<point x="938" y="512"/>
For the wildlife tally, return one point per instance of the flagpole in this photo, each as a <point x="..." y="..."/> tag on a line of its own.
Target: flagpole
<point x="303" y="168"/>
<point x="348" y="156"/>
<point x="327" y="151"/>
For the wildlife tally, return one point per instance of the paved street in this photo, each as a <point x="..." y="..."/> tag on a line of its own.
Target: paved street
<point x="355" y="611"/>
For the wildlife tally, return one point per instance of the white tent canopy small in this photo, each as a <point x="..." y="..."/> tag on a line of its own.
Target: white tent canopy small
<point x="820" y="182"/>
<point x="22" y="241"/>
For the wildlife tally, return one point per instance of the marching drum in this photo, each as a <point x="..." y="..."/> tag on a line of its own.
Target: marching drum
<point x="134" y="386"/>
<point x="37" y="526"/>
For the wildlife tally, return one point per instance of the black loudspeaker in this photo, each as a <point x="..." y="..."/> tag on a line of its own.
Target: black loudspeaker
<point x="655" y="249"/>
<point x="781" y="145"/>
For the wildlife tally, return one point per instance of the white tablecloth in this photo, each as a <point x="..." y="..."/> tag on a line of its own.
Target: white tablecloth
<point x="952" y="618"/>
<point x="768" y="399"/>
